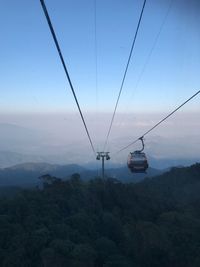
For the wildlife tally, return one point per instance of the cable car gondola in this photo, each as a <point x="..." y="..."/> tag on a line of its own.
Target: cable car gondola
<point x="137" y="160"/>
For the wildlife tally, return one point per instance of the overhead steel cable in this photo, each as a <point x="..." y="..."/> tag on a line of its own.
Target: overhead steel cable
<point x="151" y="51"/>
<point x="161" y="121"/>
<point x="95" y="47"/>
<point x="153" y="45"/>
<point x="126" y="69"/>
<point x="65" y="69"/>
<point x="96" y="67"/>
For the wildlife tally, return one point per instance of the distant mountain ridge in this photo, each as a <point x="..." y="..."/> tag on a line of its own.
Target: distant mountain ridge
<point x="9" y="158"/>
<point x="27" y="174"/>
<point x="122" y="174"/>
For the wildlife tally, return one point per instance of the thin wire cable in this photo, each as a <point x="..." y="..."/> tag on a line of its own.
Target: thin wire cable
<point x="126" y="69"/>
<point x="153" y="46"/>
<point x="95" y="48"/>
<point x="156" y="125"/>
<point x="150" y="53"/>
<point x="96" y="68"/>
<point x="65" y="69"/>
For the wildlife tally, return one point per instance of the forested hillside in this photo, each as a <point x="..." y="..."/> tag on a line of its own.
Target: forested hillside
<point x="104" y="223"/>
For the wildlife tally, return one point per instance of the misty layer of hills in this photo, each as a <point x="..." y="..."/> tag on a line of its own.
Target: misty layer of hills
<point x="104" y="223"/>
<point x="27" y="174"/>
<point x="23" y="144"/>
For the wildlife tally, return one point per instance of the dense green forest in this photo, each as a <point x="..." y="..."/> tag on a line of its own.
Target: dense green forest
<point x="104" y="223"/>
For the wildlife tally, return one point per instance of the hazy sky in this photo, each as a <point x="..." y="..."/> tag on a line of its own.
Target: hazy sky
<point x="62" y="136"/>
<point x="163" y="72"/>
<point x="167" y="53"/>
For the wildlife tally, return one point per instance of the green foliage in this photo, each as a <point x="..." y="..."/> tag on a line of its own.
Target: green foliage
<point x="104" y="223"/>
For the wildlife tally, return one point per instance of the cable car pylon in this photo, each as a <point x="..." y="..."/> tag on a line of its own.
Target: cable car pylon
<point x="102" y="156"/>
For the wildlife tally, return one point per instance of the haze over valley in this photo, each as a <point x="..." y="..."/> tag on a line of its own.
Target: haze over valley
<point x="60" y="139"/>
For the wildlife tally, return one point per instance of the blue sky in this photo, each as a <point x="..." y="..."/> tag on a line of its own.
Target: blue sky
<point x="164" y="69"/>
<point x="163" y="72"/>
